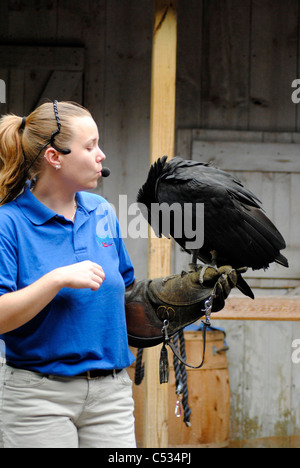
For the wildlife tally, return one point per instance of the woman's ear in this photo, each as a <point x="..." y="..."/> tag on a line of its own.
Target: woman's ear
<point x="53" y="157"/>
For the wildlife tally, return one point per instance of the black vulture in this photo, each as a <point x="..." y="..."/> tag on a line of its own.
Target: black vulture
<point x="236" y="230"/>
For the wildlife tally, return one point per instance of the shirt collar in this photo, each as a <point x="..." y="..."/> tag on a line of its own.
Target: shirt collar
<point x="87" y="201"/>
<point x="39" y="214"/>
<point x="33" y="209"/>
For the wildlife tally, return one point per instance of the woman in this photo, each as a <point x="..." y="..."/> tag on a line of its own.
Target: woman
<point x="62" y="288"/>
<point x="64" y="270"/>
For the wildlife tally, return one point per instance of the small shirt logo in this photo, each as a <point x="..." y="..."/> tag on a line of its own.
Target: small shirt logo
<point x="104" y="241"/>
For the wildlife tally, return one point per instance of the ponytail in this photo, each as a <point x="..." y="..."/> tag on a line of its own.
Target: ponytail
<point x="12" y="163"/>
<point x="22" y="142"/>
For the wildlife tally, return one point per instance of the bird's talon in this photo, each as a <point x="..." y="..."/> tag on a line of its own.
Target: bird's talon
<point x="203" y="271"/>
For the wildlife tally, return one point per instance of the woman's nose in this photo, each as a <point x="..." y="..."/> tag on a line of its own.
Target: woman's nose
<point x="100" y="156"/>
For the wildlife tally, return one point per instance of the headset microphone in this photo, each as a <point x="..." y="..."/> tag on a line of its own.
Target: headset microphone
<point x="105" y="172"/>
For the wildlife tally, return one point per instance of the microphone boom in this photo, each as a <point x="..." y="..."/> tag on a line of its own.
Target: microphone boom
<point x="105" y="172"/>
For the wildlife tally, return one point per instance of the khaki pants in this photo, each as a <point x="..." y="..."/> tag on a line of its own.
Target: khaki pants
<point x="62" y="412"/>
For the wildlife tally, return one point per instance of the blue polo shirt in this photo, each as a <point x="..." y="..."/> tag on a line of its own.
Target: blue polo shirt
<point x="80" y="329"/>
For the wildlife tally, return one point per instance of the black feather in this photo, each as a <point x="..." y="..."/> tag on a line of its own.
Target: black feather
<point x="235" y="225"/>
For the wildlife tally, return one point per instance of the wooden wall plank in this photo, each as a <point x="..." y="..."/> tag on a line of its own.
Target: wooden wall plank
<point x="263" y="380"/>
<point x="225" y="64"/>
<point x="271" y="390"/>
<point x="262" y="157"/>
<point x="62" y="85"/>
<point x="84" y="23"/>
<point x="294" y="211"/>
<point x="16" y="100"/>
<point x="274" y="60"/>
<point x="279" y="308"/>
<point x="4" y="18"/>
<point x="297" y="76"/>
<point x="189" y="58"/>
<point x="295" y="382"/>
<point x="162" y="141"/>
<point x="59" y="58"/>
<point x="31" y="22"/>
<point x="35" y="81"/>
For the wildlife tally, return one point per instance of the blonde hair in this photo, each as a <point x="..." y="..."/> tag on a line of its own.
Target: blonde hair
<point x="21" y="147"/>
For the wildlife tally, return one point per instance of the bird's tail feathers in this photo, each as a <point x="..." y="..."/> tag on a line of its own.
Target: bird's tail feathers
<point x="267" y="241"/>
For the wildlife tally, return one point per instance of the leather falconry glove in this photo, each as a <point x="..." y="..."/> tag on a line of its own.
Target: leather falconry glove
<point x="180" y="299"/>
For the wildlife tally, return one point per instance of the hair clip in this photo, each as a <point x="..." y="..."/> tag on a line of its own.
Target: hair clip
<point x="54" y="134"/>
<point x="22" y="126"/>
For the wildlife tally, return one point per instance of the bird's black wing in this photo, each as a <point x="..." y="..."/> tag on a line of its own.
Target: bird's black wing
<point x="223" y="231"/>
<point x="234" y="224"/>
<point x="179" y="170"/>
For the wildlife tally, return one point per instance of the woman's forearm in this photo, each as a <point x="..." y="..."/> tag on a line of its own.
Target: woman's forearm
<point x="19" y="307"/>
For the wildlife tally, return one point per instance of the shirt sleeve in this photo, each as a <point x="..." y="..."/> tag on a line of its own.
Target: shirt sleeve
<point x="9" y="266"/>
